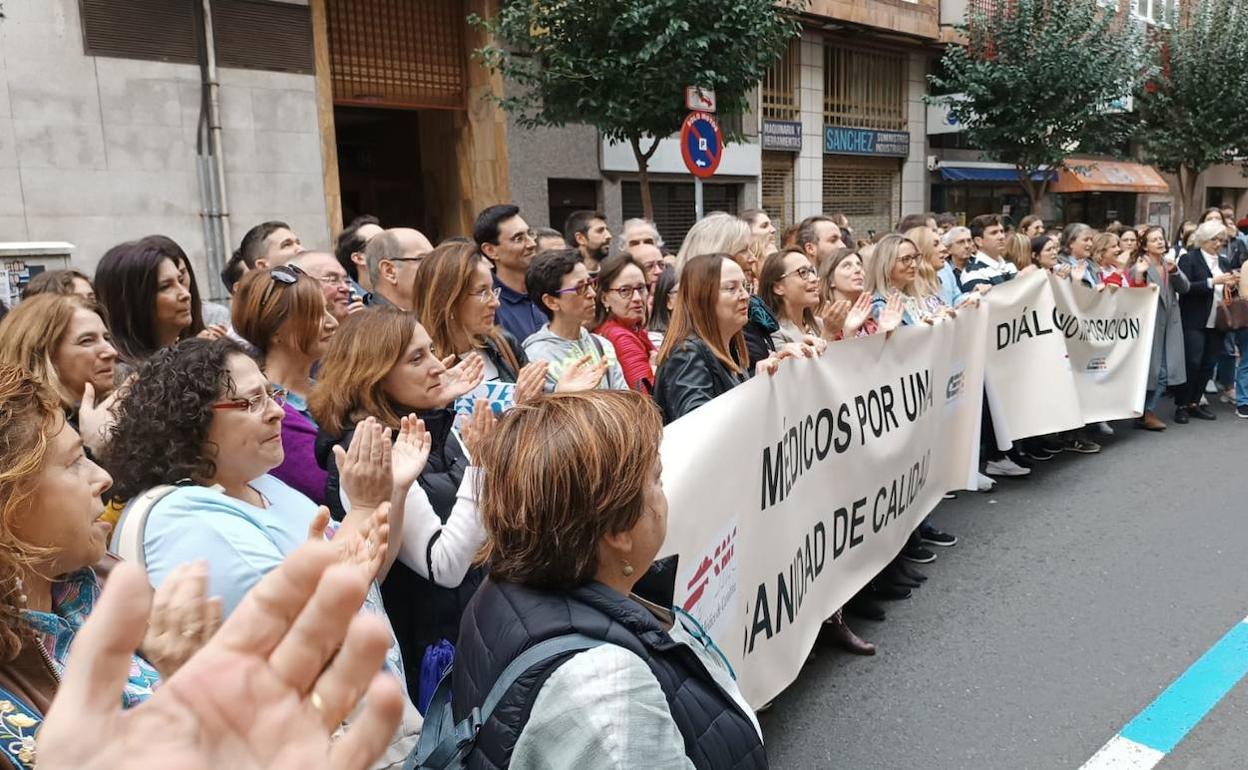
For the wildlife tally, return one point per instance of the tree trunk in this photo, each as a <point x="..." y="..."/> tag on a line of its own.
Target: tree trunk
<point x="1187" y="192"/>
<point x="643" y="174"/>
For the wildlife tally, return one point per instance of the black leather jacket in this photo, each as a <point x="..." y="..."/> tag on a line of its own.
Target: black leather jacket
<point x="690" y="377"/>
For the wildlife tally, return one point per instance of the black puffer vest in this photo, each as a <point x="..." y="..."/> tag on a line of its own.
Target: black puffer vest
<point x="504" y="619"/>
<point x="420" y="611"/>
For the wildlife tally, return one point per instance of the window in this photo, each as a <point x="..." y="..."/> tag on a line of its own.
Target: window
<point x="868" y="190"/>
<point x="673" y="205"/>
<point x="864" y="89"/>
<point x="778" y="94"/>
<point x="777" y="188"/>
<point x="398" y="53"/>
<point x="568" y="195"/>
<point x="1156" y="11"/>
<point x="249" y="34"/>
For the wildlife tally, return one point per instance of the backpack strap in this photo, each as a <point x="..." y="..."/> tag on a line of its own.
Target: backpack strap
<point x="455" y="741"/>
<point x="128" y="535"/>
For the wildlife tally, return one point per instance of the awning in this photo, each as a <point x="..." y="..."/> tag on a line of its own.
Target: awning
<point x="1108" y="176"/>
<point x="1007" y="175"/>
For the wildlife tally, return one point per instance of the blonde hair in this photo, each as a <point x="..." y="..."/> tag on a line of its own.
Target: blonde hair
<point x="927" y="283"/>
<point x="880" y="265"/>
<point x="34" y="329"/>
<point x="558" y="475"/>
<point x="716" y="233"/>
<point x="1018" y="250"/>
<point x="1101" y="244"/>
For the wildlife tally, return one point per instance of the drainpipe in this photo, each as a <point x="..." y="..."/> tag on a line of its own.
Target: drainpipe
<point x="212" y="162"/>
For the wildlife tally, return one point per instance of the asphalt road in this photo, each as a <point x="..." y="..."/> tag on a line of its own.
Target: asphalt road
<point x="1073" y="599"/>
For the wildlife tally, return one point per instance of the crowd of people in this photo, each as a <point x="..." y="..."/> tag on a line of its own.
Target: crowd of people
<point x="474" y="429"/>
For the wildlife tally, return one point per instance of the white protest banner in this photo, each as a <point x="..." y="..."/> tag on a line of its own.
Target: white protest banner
<point x="1109" y="337"/>
<point x="1031" y="388"/>
<point x="789" y="493"/>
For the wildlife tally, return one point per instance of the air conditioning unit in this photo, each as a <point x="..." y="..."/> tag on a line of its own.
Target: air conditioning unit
<point x="933" y="163"/>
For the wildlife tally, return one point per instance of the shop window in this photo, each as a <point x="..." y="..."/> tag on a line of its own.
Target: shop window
<point x="673" y="205"/>
<point x="778" y="92"/>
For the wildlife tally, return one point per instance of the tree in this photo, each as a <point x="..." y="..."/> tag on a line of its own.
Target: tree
<point x="622" y="65"/>
<point x="1036" y="80"/>
<point x="1193" y="111"/>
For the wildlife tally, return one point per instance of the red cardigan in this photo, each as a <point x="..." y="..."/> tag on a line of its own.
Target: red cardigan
<point x="633" y="348"/>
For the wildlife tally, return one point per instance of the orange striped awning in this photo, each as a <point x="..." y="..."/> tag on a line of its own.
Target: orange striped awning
<point x="1108" y="176"/>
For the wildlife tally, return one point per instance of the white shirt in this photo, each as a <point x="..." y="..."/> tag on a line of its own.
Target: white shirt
<point x="1212" y="261"/>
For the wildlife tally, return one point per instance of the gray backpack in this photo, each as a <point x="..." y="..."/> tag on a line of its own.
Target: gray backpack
<point x="444" y="745"/>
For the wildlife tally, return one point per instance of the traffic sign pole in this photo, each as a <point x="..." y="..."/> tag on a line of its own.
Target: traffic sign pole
<point x="697" y="197"/>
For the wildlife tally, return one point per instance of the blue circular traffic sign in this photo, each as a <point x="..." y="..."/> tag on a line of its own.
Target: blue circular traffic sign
<point x="701" y="144"/>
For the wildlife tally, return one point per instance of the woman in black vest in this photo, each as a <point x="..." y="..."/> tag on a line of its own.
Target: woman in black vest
<point x="379" y="364"/>
<point x="572" y="502"/>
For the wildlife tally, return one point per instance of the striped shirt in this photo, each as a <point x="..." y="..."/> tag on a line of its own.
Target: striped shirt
<point x="983" y="269"/>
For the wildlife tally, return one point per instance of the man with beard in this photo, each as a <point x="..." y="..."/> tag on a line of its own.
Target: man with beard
<point x="586" y="231"/>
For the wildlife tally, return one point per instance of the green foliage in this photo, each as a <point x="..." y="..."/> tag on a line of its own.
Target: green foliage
<point x="1194" y="112"/>
<point x="1037" y="77"/>
<point x="622" y="65"/>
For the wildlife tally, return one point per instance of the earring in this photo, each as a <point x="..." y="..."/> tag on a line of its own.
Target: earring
<point x="628" y="569"/>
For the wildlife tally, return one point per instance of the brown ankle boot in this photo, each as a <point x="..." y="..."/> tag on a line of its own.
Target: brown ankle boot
<point x="1152" y="422"/>
<point x="844" y="636"/>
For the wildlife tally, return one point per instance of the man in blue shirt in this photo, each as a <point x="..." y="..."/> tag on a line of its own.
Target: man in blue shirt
<point x="504" y="238"/>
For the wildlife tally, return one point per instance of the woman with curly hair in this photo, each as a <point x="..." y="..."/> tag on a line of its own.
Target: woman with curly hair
<point x="282" y="313"/>
<point x="52" y="542"/>
<point x="64" y="341"/>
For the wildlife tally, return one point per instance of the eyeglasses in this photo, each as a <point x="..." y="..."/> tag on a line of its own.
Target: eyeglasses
<point x="908" y="260"/>
<point x="485" y="295"/>
<point x="283" y="274"/>
<point x="334" y="279"/>
<point x="734" y="287"/>
<point x="805" y="272"/>
<point x="627" y="292"/>
<point x="581" y="288"/>
<point x="255" y="404"/>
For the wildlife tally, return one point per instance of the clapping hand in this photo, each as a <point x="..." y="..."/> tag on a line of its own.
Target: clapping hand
<point x="891" y="314"/>
<point x="858" y="315"/>
<point x="183" y="618"/>
<point x="266" y="692"/>
<point x="581" y="375"/>
<point x="1079" y="271"/>
<point x="531" y="382"/>
<point x="836" y="313"/>
<point x="461" y="378"/>
<point x="1062" y="270"/>
<point x="365" y="468"/>
<point x="1141" y="266"/>
<point x="410" y="452"/>
<point x="478" y="428"/>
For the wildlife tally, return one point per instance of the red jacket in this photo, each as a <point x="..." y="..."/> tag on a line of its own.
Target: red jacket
<point x="633" y="348"/>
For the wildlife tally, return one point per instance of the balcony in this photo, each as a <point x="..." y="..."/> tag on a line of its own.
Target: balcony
<point x="915" y="18"/>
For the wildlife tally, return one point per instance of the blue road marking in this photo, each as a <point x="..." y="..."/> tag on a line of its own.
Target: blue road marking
<point x="1169" y="718"/>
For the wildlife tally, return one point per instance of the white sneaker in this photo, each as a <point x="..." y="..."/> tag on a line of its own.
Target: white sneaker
<point x="1105" y="428"/>
<point x="985" y="483"/>
<point x="1006" y="467"/>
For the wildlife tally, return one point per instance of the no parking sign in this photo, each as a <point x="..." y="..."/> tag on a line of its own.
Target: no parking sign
<point x="701" y="144"/>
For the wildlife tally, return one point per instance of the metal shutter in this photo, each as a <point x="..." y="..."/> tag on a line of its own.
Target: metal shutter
<point x="164" y="30"/>
<point x="868" y="190"/>
<point x="673" y="205"/>
<point x="263" y="35"/>
<point x="778" y="91"/>
<point x="398" y="53"/>
<point x="777" y="184"/>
